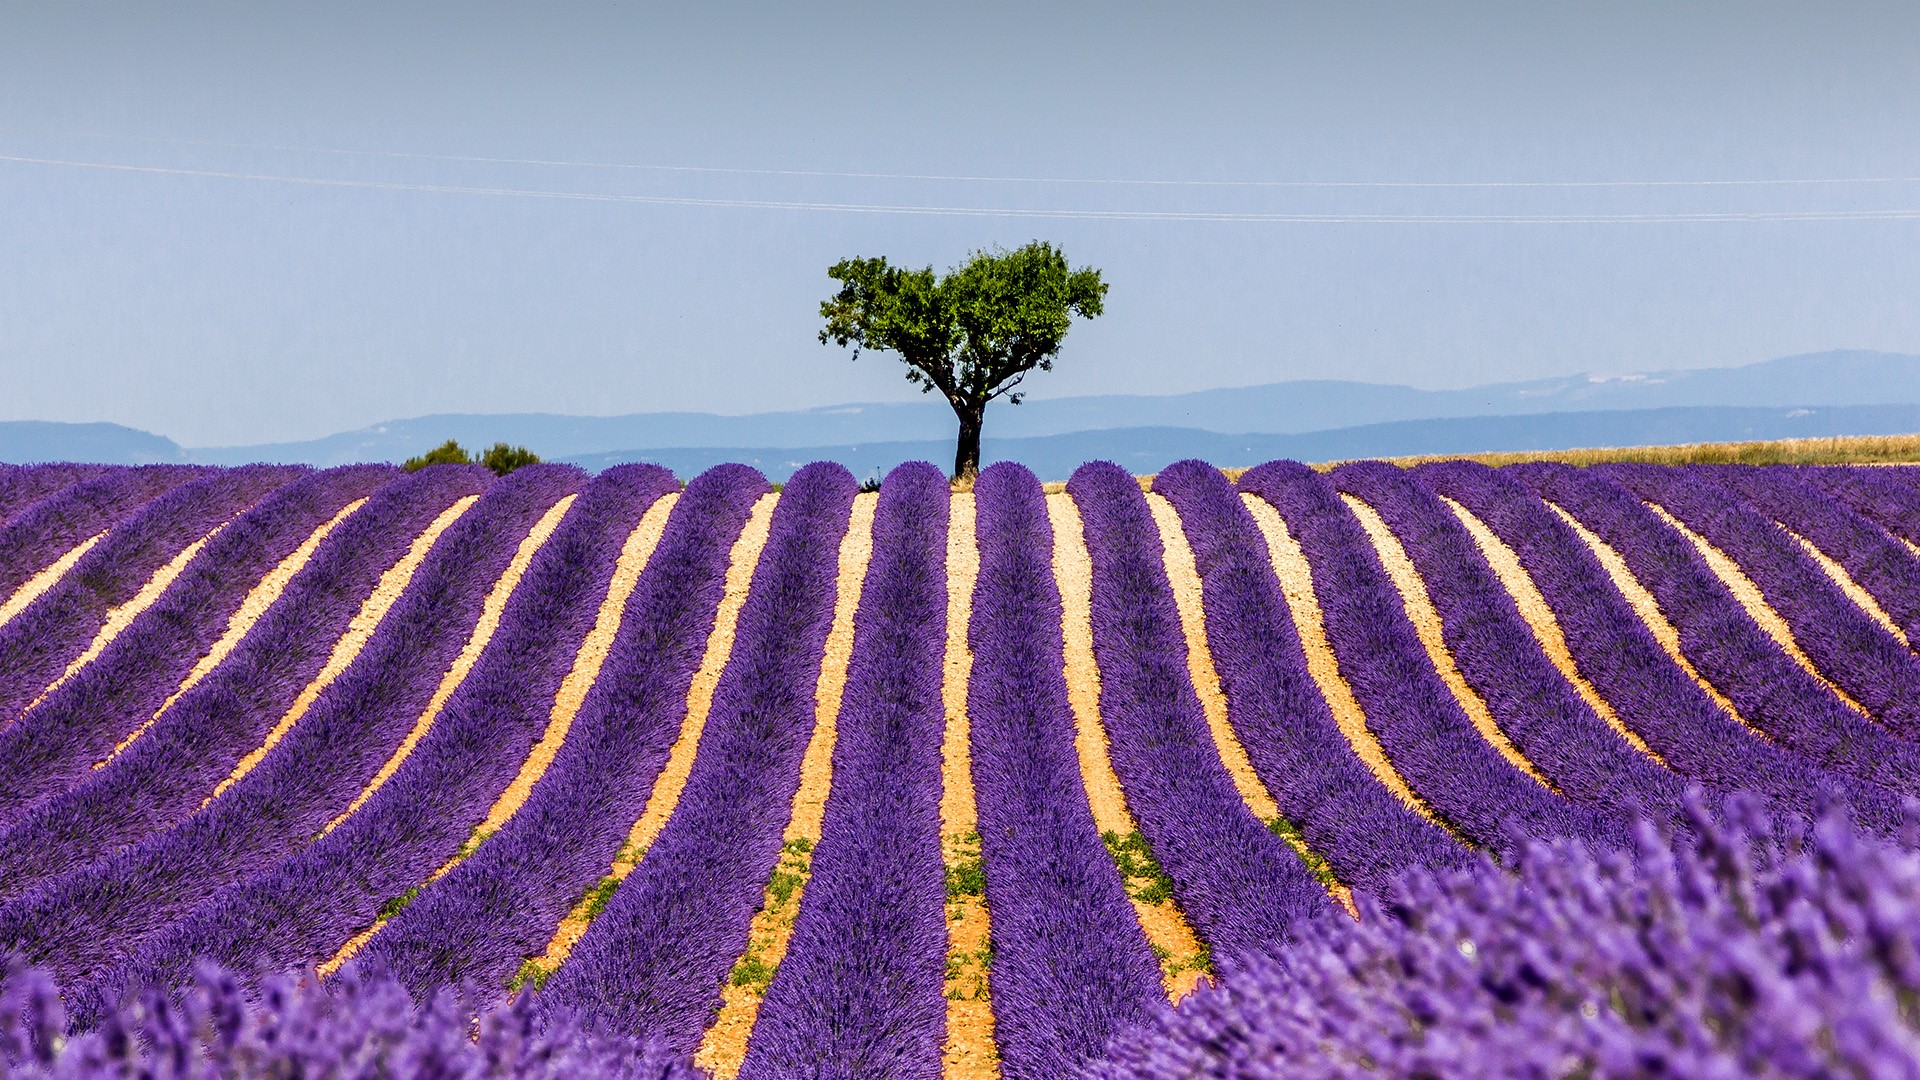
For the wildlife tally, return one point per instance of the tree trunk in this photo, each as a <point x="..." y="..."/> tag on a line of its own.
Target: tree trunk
<point x="966" y="453"/>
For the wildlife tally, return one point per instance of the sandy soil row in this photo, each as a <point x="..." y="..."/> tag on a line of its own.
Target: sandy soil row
<point x="30" y="590"/>
<point x="1165" y="925"/>
<point x="742" y="559"/>
<point x="970" y="1052"/>
<point x="1426" y="623"/>
<point x="119" y="618"/>
<point x="491" y="609"/>
<point x="724" y="1046"/>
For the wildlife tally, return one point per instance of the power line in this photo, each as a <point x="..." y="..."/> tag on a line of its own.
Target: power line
<point x="1009" y="212"/>
<point x="996" y="179"/>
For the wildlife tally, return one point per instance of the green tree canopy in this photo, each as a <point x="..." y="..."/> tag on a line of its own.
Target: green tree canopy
<point x="973" y="334"/>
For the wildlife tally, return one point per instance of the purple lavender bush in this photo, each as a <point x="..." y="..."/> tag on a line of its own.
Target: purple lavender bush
<point x="1240" y="884"/>
<point x="1615" y="652"/>
<point x="652" y="962"/>
<point x="23" y="485"/>
<point x="1424" y="731"/>
<point x="57" y="628"/>
<point x="490" y="913"/>
<point x="859" y="992"/>
<point x="1847" y="646"/>
<point x="1071" y="966"/>
<point x="1876" y="561"/>
<point x="354" y="1026"/>
<point x="42" y="531"/>
<point x="1744" y="949"/>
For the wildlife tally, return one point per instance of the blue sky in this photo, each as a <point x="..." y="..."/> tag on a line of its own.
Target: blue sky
<point x="172" y="274"/>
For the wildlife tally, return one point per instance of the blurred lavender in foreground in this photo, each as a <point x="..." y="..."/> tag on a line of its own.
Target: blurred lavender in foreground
<point x="1735" y="953"/>
<point x="356" y="1026"/>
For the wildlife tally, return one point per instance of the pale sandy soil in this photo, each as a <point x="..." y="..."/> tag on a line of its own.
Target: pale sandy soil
<point x="1166" y="926"/>
<point x="1541" y="620"/>
<point x="1296" y="584"/>
<point x="119" y="618"/>
<point x="1426" y="623"/>
<point x="970" y="1052"/>
<point x="744" y="555"/>
<point x="30" y="590"/>
<point x="724" y="1046"/>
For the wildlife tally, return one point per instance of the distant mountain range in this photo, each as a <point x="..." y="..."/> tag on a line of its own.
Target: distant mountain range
<point x="1832" y="393"/>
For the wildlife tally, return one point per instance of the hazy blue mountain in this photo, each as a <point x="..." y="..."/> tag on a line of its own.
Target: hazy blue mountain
<point x="46" y="440"/>
<point x="1145" y="450"/>
<point x="1344" y="419"/>
<point x="1831" y="378"/>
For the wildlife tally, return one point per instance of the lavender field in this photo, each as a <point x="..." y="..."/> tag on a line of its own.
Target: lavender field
<point x="1538" y="771"/>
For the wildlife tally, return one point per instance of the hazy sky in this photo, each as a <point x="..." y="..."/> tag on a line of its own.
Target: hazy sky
<point x="220" y="309"/>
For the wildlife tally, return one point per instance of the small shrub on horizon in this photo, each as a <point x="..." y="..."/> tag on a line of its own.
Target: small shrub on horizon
<point x="499" y="457"/>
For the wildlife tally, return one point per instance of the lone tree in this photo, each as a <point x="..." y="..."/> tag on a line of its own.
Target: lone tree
<point x="972" y="335"/>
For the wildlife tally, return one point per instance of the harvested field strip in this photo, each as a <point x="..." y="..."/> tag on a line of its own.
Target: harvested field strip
<point x="251" y="608"/>
<point x="483" y="631"/>
<point x="1356" y="832"/>
<point x="860" y="990"/>
<point x="1421" y="728"/>
<point x="742" y="561"/>
<point x="1497" y="654"/>
<point x="1648" y="609"/>
<point x="33" y="587"/>
<point x="121" y="617"/>
<point x="1071" y="963"/>
<point x="969" y="1052"/>
<point x="1856" y="592"/>
<point x="1182" y="958"/>
<point x="555" y="849"/>
<point x="1296" y="584"/>
<point x="1426" y="624"/>
<point x="257" y="602"/>
<point x="1540" y="619"/>
<point x="653" y="961"/>
<point x="1615" y="649"/>
<point x="724" y="1045"/>
<point x="372" y="611"/>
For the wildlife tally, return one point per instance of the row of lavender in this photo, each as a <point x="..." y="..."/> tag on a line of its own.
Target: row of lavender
<point x="690" y="901"/>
